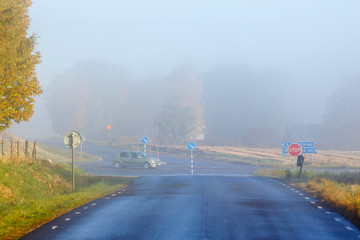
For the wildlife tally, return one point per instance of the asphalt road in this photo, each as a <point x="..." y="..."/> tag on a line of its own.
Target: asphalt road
<point x="229" y="203"/>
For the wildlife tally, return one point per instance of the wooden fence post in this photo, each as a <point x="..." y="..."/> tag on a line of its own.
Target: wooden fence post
<point x="26" y="149"/>
<point x="18" y="149"/>
<point x="34" y="151"/>
<point x="11" y="149"/>
<point x="2" y="148"/>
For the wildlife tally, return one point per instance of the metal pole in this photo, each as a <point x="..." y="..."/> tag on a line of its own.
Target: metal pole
<point x="192" y="162"/>
<point x="73" y="172"/>
<point x="145" y="148"/>
<point x="300" y="170"/>
<point x="157" y="151"/>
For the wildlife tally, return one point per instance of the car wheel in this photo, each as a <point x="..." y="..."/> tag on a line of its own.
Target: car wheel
<point x="146" y="165"/>
<point x="117" y="165"/>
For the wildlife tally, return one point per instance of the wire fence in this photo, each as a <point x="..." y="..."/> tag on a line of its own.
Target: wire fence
<point x="12" y="148"/>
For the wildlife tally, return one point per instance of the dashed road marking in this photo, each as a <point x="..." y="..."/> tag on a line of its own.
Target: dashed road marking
<point x="328" y="212"/>
<point x="113" y="195"/>
<point x="93" y="204"/>
<point x="67" y="219"/>
<point x="77" y="213"/>
<point x="54" y="227"/>
<point x="307" y="198"/>
<point x="312" y="202"/>
<point x="337" y="219"/>
<point x="301" y="194"/>
<point x="107" y="198"/>
<point x="349" y="228"/>
<point x="319" y="207"/>
<point x="85" y="207"/>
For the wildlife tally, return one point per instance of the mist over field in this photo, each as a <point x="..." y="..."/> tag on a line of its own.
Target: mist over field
<point x="253" y="73"/>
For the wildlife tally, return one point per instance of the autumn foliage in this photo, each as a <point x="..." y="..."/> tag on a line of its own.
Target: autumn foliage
<point x="18" y="81"/>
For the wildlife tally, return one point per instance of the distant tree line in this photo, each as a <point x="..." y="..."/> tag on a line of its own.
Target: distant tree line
<point x="225" y="105"/>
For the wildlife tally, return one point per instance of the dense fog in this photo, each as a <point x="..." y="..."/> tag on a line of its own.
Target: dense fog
<point x="250" y="73"/>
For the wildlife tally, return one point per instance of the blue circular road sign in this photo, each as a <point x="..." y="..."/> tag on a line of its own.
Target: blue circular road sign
<point x="144" y="140"/>
<point x="191" y="146"/>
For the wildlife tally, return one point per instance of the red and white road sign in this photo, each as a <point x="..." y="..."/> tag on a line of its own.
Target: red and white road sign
<point x="294" y="149"/>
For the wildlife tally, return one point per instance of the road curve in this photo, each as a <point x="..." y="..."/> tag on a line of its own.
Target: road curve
<point x="201" y="207"/>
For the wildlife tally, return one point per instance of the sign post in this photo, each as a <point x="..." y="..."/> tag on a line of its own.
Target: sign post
<point x="300" y="163"/>
<point x="73" y="140"/>
<point x="191" y="147"/>
<point x="145" y="140"/>
<point x="108" y="127"/>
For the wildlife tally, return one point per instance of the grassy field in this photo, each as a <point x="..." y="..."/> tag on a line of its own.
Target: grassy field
<point x="63" y="155"/>
<point x="269" y="157"/>
<point x="36" y="191"/>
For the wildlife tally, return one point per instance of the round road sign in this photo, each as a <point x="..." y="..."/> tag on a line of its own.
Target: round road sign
<point x="294" y="149"/>
<point x="68" y="139"/>
<point x="191" y="146"/>
<point x="144" y="140"/>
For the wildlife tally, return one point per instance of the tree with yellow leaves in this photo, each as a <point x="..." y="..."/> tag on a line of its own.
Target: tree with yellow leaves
<point x="18" y="81"/>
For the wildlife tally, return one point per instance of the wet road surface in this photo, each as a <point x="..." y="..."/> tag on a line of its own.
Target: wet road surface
<point x="169" y="203"/>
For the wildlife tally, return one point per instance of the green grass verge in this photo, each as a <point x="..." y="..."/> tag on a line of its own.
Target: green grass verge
<point x="63" y="155"/>
<point x="33" y="192"/>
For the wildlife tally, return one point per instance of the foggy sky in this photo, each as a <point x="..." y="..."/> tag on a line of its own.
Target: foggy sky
<point x="311" y="44"/>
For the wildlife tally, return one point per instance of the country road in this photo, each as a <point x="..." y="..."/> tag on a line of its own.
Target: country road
<point x="220" y="201"/>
